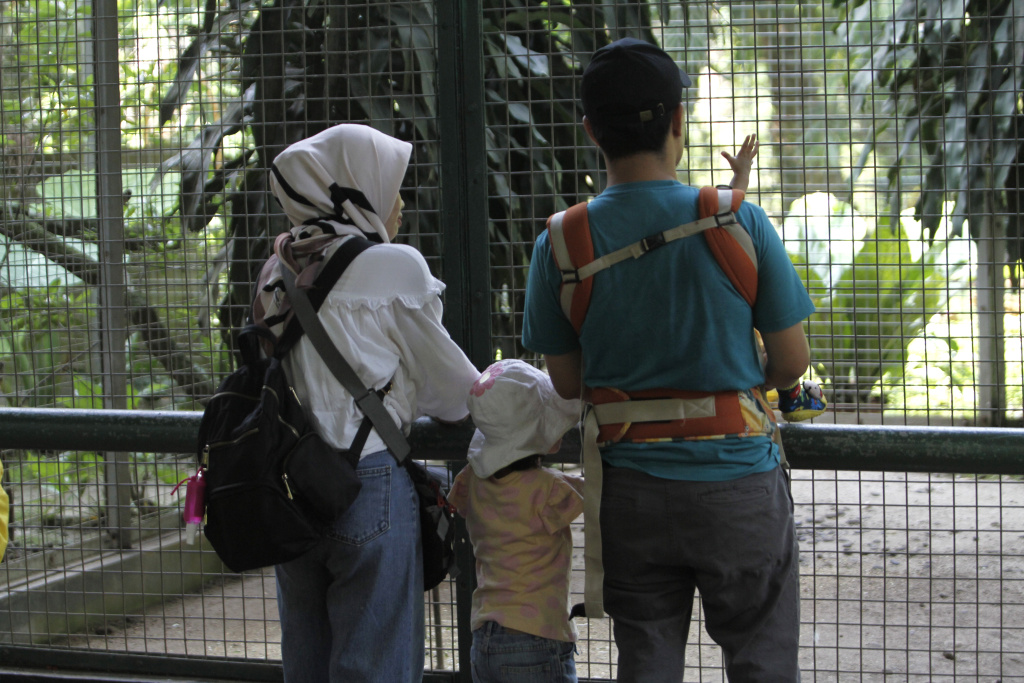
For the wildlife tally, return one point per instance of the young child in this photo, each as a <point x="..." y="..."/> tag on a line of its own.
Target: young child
<point x="802" y="400"/>
<point x="518" y="514"/>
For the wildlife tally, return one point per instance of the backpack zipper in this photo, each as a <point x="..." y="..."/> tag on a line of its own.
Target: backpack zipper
<point x="234" y="393"/>
<point x="279" y="418"/>
<point x="210" y="446"/>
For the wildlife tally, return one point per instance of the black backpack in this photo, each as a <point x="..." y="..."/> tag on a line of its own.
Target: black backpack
<point x="272" y="483"/>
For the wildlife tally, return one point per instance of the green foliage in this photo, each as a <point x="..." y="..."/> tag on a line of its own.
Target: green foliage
<point x="67" y="488"/>
<point x="49" y="251"/>
<point x="42" y="53"/>
<point x="873" y="294"/>
<point x="539" y="160"/>
<point x="943" y="81"/>
<point x="233" y="83"/>
<point x="44" y="348"/>
<point x="61" y="471"/>
<point x="934" y="380"/>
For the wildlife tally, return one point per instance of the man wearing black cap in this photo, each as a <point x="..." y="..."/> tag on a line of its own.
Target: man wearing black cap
<point x="686" y="510"/>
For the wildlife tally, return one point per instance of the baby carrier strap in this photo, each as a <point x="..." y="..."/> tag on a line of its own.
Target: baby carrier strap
<point x="729" y="242"/>
<point x="653" y="415"/>
<point x="666" y="413"/>
<point x="572" y="248"/>
<point x="659" y="414"/>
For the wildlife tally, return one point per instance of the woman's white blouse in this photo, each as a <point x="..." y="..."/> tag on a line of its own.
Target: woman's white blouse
<point x="384" y="314"/>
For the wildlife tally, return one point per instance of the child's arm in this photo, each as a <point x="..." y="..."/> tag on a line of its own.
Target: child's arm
<point x="458" y="495"/>
<point x="564" y="502"/>
<point x="742" y="162"/>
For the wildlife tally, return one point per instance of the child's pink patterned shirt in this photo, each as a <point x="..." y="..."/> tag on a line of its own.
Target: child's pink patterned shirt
<point x="519" y="527"/>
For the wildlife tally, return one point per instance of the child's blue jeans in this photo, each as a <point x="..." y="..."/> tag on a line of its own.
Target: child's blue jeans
<point x="501" y="655"/>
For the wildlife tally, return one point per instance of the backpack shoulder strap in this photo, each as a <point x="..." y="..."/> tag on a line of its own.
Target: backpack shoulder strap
<point x="328" y="276"/>
<point x="729" y="242"/>
<point x="331" y="271"/>
<point x="572" y="249"/>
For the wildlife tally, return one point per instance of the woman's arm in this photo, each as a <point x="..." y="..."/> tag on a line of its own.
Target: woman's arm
<point x="435" y="364"/>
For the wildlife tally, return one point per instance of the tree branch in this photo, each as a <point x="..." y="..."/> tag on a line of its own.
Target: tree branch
<point x="146" y="318"/>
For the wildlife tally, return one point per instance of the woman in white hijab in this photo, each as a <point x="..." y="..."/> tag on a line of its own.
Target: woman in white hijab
<point x="351" y="609"/>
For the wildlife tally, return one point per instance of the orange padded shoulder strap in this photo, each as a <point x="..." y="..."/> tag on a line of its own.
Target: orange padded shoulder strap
<point x="573" y="249"/>
<point x="731" y="256"/>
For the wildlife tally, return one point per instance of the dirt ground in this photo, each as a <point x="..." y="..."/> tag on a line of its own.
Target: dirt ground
<point x="905" y="578"/>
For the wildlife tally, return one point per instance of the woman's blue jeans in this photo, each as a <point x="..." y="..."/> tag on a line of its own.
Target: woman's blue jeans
<point x="351" y="608"/>
<point x="502" y="656"/>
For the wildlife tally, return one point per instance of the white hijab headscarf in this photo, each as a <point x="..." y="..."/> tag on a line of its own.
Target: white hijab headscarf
<point x="340" y="182"/>
<point x="346" y="178"/>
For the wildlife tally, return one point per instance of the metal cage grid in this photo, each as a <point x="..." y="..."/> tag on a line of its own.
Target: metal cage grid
<point x="902" y="334"/>
<point x="918" y="577"/>
<point x="133" y="214"/>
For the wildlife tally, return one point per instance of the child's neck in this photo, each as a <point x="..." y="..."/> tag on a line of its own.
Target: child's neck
<point x="505" y="471"/>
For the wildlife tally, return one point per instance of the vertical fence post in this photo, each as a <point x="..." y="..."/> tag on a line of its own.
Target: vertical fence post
<point x="465" y="261"/>
<point x="110" y="215"/>
<point x="465" y="257"/>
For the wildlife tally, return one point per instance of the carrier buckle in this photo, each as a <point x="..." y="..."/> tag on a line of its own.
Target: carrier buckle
<point x="653" y="242"/>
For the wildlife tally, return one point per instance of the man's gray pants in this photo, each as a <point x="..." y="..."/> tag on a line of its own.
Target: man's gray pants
<point x="734" y="541"/>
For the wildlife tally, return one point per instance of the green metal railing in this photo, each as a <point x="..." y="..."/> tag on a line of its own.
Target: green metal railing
<point x="870" y="448"/>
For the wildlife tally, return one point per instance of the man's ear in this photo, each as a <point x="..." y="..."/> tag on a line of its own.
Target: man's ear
<point x="590" y="131"/>
<point x="677" y="121"/>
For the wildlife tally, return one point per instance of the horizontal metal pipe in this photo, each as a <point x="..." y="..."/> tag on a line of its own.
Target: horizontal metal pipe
<point x="893" y="448"/>
<point x="878" y="448"/>
<point x="63" y="429"/>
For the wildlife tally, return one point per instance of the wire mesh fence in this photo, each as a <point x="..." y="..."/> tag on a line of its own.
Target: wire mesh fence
<point x="905" y="576"/>
<point x="134" y="145"/>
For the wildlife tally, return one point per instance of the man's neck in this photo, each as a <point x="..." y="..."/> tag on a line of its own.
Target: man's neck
<point x="639" y="167"/>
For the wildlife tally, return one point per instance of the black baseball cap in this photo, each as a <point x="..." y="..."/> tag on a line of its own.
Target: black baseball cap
<point x="631" y="82"/>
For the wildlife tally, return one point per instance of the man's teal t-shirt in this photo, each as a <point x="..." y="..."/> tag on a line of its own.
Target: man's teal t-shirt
<point x="669" y="319"/>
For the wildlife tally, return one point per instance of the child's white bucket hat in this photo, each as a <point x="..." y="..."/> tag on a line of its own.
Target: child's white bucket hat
<point x="517" y="414"/>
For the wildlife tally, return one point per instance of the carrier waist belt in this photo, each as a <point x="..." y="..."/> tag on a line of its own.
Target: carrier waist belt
<point x="654" y="415"/>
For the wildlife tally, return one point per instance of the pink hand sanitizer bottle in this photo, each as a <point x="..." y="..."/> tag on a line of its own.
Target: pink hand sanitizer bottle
<point x="195" y="505"/>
